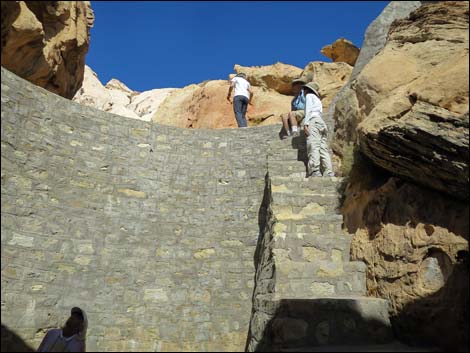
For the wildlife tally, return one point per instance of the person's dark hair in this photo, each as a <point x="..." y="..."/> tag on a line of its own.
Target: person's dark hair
<point x="78" y="314"/>
<point x="77" y="311"/>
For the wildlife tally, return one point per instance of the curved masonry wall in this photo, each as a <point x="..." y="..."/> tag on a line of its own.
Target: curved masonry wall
<point x="150" y="229"/>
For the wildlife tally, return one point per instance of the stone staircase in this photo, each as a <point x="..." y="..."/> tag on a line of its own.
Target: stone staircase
<point x="308" y="293"/>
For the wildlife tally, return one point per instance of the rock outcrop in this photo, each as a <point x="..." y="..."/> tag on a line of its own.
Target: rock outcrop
<point x="413" y="97"/>
<point x="46" y="42"/>
<point x="205" y="106"/>
<point x="342" y="50"/>
<point x="277" y="77"/>
<point x="115" y="97"/>
<point x="342" y="113"/>
<point x="404" y="119"/>
<point x="414" y="242"/>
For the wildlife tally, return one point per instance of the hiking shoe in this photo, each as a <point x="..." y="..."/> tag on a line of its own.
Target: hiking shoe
<point x="315" y="174"/>
<point x="296" y="133"/>
<point x="286" y="136"/>
<point x="330" y="174"/>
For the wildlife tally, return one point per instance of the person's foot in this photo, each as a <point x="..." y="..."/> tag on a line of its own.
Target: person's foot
<point x="330" y="174"/>
<point x="315" y="174"/>
<point x="286" y="136"/>
<point x="295" y="133"/>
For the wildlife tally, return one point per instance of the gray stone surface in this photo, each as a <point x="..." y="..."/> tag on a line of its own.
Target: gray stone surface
<point x="150" y="229"/>
<point x="155" y="232"/>
<point x="377" y="31"/>
<point x="307" y="292"/>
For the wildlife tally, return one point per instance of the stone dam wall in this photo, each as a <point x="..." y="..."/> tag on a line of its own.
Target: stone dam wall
<point x="150" y="229"/>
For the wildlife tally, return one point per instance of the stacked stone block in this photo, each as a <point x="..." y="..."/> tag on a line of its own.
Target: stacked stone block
<point x="150" y="229"/>
<point x="307" y="291"/>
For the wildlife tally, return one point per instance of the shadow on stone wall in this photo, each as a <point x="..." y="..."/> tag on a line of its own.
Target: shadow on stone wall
<point x="433" y="319"/>
<point x="324" y="324"/>
<point x="387" y="207"/>
<point x="262" y="218"/>
<point x="11" y="342"/>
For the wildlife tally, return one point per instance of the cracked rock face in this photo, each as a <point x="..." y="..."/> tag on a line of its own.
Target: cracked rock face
<point x="411" y="99"/>
<point x="45" y="42"/>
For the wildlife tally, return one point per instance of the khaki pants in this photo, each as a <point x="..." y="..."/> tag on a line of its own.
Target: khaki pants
<point x="317" y="151"/>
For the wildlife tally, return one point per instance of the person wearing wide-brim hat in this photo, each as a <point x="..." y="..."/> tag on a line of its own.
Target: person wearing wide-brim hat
<point x="297" y="113"/>
<point x="316" y="133"/>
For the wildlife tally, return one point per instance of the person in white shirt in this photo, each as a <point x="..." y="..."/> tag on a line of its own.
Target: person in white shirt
<point x="70" y="338"/>
<point x="241" y="97"/>
<point x="316" y="133"/>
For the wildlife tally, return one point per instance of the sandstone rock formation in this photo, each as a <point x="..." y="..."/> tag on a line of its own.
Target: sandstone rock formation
<point x="342" y="113"/>
<point x="413" y="97"/>
<point x="376" y="33"/>
<point x="342" y="50"/>
<point x="277" y="77"/>
<point x="406" y="111"/>
<point x="115" y="97"/>
<point x="414" y="242"/>
<point x="205" y="106"/>
<point x="46" y="42"/>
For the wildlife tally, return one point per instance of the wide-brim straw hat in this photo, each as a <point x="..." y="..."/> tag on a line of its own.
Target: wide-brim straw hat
<point x="299" y="80"/>
<point x="314" y="87"/>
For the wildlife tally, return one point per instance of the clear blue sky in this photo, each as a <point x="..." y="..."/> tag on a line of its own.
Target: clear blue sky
<point x="162" y="44"/>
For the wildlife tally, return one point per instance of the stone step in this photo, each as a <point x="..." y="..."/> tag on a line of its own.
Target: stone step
<point x="310" y="214"/>
<point x="318" y="184"/>
<point x="298" y="142"/>
<point x="291" y="168"/>
<point x="287" y="155"/>
<point x="317" y="322"/>
<point x="388" y="347"/>
<point x="309" y="247"/>
<point x="328" y="202"/>
<point x="322" y="277"/>
<point x="306" y="188"/>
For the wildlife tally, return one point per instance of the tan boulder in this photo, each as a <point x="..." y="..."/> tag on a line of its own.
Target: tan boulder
<point x="46" y="42"/>
<point x="342" y="50"/>
<point x="205" y="106"/>
<point x="278" y="77"/>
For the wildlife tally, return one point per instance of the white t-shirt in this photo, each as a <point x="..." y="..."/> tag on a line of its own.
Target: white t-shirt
<point x="313" y="111"/>
<point x="241" y="87"/>
<point x="53" y="341"/>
